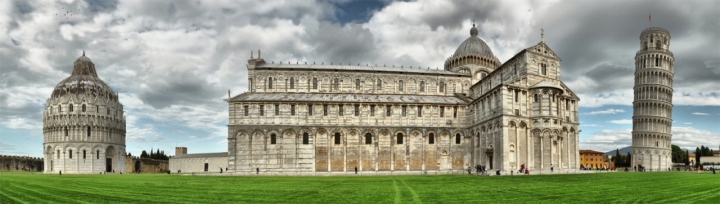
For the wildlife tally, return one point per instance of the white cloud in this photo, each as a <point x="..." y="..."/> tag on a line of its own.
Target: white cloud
<point x="687" y="123"/>
<point x="621" y="122"/>
<point x="608" y="111"/>
<point x="699" y="113"/>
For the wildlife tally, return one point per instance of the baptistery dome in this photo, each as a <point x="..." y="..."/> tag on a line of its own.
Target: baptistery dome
<point x="83" y="124"/>
<point x="82" y="80"/>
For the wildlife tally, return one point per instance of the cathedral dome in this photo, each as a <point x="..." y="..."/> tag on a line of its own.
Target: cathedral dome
<point x="84" y="80"/>
<point x="473" y="45"/>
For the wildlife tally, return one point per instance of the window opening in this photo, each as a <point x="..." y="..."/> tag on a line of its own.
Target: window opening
<point x="379" y="84"/>
<point x="399" y="138"/>
<point x="83" y="108"/>
<point x="71" y="108"/>
<point x="442" y="111"/>
<point x="368" y="138"/>
<point x="340" y="110"/>
<point x="292" y="82"/>
<point x="97" y="154"/>
<point x="419" y="111"/>
<point x="442" y="86"/>
<point x="388" y="111"/>
<point x="84" y="156"/>
<point x="277" y="109"/>
<point x="325" y="110"/>
<point x="306" y="138"/>
<point x="422" y="86"/>
<point x="457" y="139"/>
<point x="357" y="110"/>
<point x="66" y="131"/>
<point x="537" y="98"/>
<point x="372" y="110"/>
<point x="273" y="139"/>
<point x="357" y="84"/>
<point x="246" y="110"/>
<point x="336" y="84"/>
<point x="454" y="112"/>
<point x="337" y="138"/>
<point x="71" y="154"/>
<point x="262" y="110"/>
<point x="314" y="83"/>
<point x="270" y="83"/>
<point x="88" y="131"/>
<point x="292" y="109"/>
<point x="400" y="85"/>
<point x="431" y="139"/>
<point x="310" y="112"/>
<point x="517" y="93"/>
<point x="404" y="110"/>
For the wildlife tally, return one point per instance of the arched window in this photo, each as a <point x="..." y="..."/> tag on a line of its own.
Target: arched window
<point x="314" y="83"/>
<point x="71" y="108"/>
<point x="537" y="98"/>
<point x="544" y="69"/>
<point x="379" y="84"/>
<point x="336" y="84"/>
<point x="70" y="154"/>
<point x="657" y="45"/>
<point x="273" y="139"/>
<point x="97" y="108"/>
<point x="457" y="138"/>
<point x="431" y="139"/>
<point x="399" y="138"/>
<point x="357" y="84"/>
<point x="97" y="154"/>
<point x="84" y="156"/>
<point x="400" y="85"/>
<point x="66" y="131"/>
<point x="306" y="138"/>
<point x="337" y="138"/>
<point x="442" y="86"/>
<point x="292" y="82"/>
<point x="368" y="138"/>
<point x="83" y="108"/>
<point x="422" y="86"/>
<point x="270" y="83"/>
<point x="88" y="131"/>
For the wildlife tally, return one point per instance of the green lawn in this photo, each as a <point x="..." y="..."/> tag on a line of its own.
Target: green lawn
<point x="580" y="188"/>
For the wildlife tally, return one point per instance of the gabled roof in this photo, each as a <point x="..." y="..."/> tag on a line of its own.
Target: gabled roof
<point x="568" y="91"/>
<point x="543" y="47"/>
<point x="545" y="84"/>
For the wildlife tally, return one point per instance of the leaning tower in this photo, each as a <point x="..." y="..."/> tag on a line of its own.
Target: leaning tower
<point x="652" y="105"/>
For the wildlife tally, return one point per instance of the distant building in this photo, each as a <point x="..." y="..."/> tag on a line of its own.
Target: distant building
<point x="83" y="124"/>
<point x="592" y="159"/>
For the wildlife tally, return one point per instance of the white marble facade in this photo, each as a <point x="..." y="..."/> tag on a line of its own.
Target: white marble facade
<point x="652" y="105"/>
<point x="83" y="125"/>
<point x="321" y="117"/>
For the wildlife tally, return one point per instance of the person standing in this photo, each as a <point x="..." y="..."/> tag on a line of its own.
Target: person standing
<point x="469" y="171"/>
<point x="552" y="167"/>
<point x="257" y="170"/>
<point x="356" y="170"/>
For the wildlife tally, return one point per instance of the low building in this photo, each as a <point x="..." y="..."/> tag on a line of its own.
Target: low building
<point x="592" y="159"/>
<point x="215" y="162"/>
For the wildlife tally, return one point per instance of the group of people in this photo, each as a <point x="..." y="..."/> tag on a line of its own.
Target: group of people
<point x="479" y="169"/>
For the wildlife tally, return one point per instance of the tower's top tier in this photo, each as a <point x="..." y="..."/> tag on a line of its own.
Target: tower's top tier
<point x="655" y="39"/>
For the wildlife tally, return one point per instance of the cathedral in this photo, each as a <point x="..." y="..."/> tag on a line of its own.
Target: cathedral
<point x="476" y="110"/>
<point x="83" y="124"/>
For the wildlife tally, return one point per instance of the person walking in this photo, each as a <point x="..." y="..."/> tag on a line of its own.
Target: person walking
<point x="356" y="170"/>
<point x="469" y="171"/>
<point x="552" y="167"/>
<point x="257" y="170"/>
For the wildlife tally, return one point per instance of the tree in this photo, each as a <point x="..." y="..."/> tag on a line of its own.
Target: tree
<point x="677" y="154"/>
<point x="629" y="160"/>
<point x="697" y="156"/>
<point x="143" y="154"/>
<point x="617" y="158"/>
<point x="687" y="158"/>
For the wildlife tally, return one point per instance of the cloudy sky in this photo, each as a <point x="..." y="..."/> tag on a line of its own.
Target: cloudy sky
<point x="173" y="61"/>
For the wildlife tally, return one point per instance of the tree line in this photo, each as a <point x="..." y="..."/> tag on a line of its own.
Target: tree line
<point x="158" y="154"/>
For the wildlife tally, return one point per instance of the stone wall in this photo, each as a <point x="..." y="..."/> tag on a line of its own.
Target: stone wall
<point x="197" y="165"/>
<point x="145" y="165"/>
<point x="20" y="163"/>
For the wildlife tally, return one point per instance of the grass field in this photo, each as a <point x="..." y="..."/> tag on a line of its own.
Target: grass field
<point x="579" y="188"/>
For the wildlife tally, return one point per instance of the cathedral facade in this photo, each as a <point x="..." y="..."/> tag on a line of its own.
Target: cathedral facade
<point x="83" y="124"/>
<point x="317" y="117"/>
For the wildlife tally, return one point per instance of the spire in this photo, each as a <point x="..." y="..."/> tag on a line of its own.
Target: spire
<point x="542" y="35"/>
<point x="83" y="52"/>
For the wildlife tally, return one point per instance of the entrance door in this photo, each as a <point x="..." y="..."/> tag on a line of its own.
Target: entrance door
<point x="206" y="166"/>
<point x="490" y="160"/>
<point x="137" y="166"/>
<point x="108" y="165"/>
